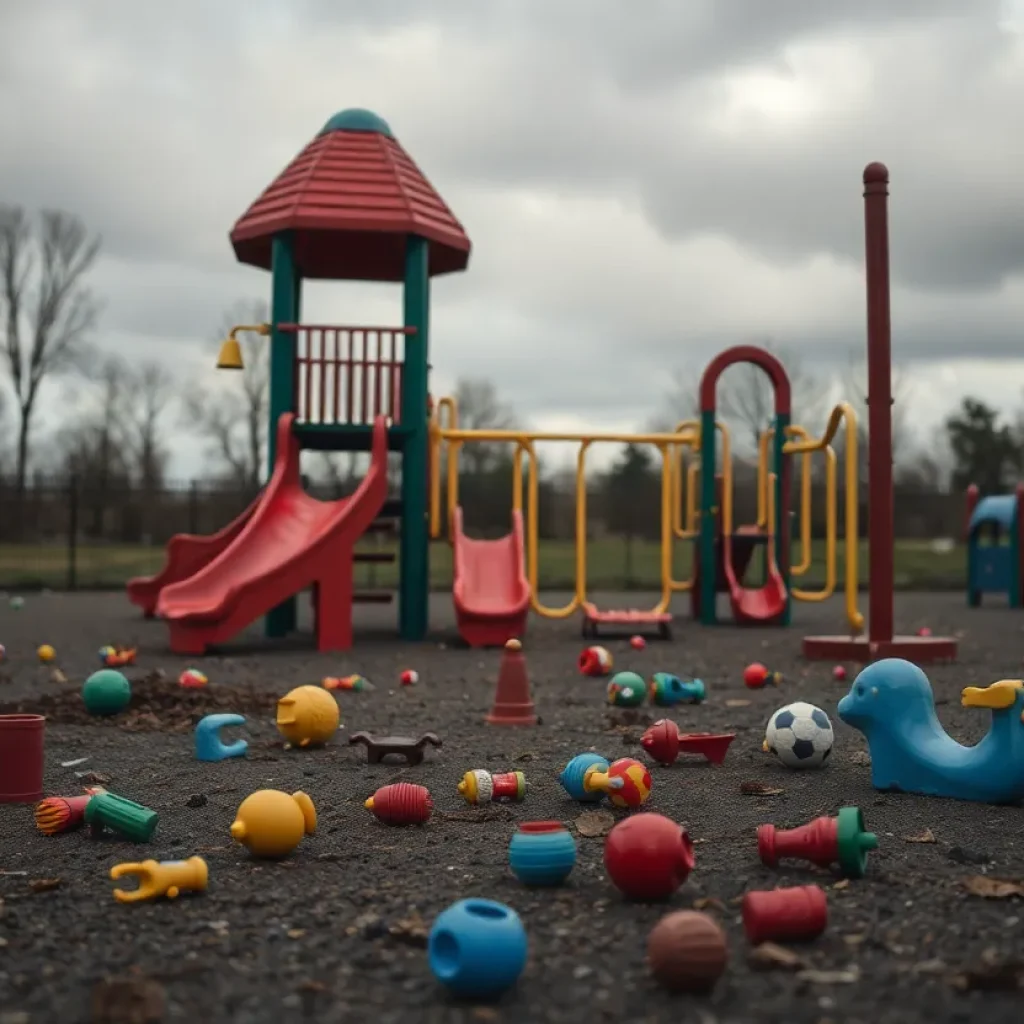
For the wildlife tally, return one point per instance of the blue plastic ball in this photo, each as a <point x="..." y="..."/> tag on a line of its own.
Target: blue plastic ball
<point x="477" y="948"/>
<point x="574" y="772"/>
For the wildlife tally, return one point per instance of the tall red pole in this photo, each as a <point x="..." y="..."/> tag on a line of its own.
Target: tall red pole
<point x="880" y="515"/>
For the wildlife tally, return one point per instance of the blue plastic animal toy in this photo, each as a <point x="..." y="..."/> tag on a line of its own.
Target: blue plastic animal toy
<point x="891" y="702"/>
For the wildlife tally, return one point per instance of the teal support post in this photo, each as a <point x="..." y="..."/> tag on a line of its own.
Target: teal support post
<point x="414" y="550"/>
<point x="286" y="290"/>
<point x="708" y="500"/>
<point x="783" y="531"/>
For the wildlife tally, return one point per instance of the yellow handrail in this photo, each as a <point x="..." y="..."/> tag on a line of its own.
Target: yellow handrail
<point x="843" y="411"/>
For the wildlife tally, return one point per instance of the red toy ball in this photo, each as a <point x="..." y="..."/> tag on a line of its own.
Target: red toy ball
<point x="924" y="631"/>
<point x="648" y="856"/>
<point x="757" y="675"/>
<point x="410" y="677"/>
<point x="839" y="673"/>
<point x="638" y="643"/>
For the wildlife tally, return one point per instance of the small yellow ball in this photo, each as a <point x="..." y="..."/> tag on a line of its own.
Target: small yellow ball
<point x="46" y="653"/>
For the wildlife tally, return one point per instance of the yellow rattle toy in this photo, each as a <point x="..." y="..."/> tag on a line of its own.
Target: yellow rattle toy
<point x="270" y="823"/>
<point x="161" y="878"/>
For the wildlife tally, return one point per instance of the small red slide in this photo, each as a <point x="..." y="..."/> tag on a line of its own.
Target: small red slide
<point x="491" y="591"/>
<point x="187" y="553"/>
<point x="763" y="605"/>
<point x="290" y="542"/>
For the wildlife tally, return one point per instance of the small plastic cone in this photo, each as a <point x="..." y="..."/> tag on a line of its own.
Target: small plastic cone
<point x="512" y="703"/>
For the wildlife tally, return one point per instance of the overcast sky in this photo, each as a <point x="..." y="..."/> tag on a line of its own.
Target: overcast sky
<point x="641" y="190"/>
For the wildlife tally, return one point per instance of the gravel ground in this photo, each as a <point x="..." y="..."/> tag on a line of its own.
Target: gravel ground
<point x="337" y="932"/>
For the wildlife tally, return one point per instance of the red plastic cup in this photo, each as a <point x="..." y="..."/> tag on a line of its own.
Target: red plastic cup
<point x="797" y="913"/>
<point x="21" y="758"/>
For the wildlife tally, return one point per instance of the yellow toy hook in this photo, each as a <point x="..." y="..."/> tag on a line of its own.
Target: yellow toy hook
<point x="156" y="878"/>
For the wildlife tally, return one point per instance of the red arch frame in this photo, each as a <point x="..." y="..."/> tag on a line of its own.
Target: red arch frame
<point x="746" y="354"/>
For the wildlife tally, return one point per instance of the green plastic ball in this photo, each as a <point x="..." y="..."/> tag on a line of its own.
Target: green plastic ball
<point x="627" y="690"/>
<point x="106" y="692"/>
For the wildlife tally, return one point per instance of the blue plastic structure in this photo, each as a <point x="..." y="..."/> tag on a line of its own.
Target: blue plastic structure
<point x="209" y="746"/>
<point x="575" y="772"/>
<point x="994" y="547"/>
<point x="477" y="948"/>
<point x="891" y="702"/>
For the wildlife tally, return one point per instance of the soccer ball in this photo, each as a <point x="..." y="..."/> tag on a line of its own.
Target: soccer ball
<point x="799" y="735"/>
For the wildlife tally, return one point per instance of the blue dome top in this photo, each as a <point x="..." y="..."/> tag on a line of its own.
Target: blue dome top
<point x="355" y="119"/>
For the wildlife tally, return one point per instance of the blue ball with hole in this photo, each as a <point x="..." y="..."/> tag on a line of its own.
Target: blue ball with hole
<point x="477" y="948"/>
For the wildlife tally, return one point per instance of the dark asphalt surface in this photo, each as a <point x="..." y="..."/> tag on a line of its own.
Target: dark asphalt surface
<point x="337" y="932"/>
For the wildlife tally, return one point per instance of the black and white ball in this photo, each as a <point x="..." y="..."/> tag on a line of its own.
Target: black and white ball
<point x="799" y="735"/>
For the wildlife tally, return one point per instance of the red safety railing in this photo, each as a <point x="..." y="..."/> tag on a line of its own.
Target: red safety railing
<point x="348" y="375"/>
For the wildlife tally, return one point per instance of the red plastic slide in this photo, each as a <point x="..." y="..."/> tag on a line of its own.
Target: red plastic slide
<point x="491" y="591"/>
<point x="763" y="605"/>
<point x="187" y="553"/>
<point x="291" y="542"/>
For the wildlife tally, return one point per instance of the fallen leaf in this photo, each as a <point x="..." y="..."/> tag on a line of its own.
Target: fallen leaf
<point x="737" y="702"/>
<point x="990" y="974"/>
<point x="58" y="677"/>
<point x="843" y="883"/>
<point x="93" y="778"/>
<point x="927" y="836"/>
<point x="44" y="884"/>
<point x="992" y="888"/>
<point x="595" y="823"/>
<point x="412" y="930"/>
<point x="769" y="956"/>
<point x="854" y="940"/>
<point x="708" y="903"/>
<point x="760" y="789"/>
<point x="295" y="933"/>
<point x="847" y="977"/>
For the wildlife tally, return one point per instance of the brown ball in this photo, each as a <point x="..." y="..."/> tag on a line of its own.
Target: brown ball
<point x="687" y="951"/>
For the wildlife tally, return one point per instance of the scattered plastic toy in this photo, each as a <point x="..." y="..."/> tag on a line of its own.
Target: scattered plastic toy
<point x="481" y="787"/>
<point x="45" y="653"/>
<point x="626" y="782"/>
<point x="825" y="841"/>
<point x="542" y="853"/>
<point x="58" y="814"/>
<point x="667" y="690"/>
<point x="664" y="742"/>
<point x="891" y="702"/>
<point x="637" y="642"/>
<point x="209" y="745"/>
<point x="687" y="951"/>
<point x="17" y="602"/>
<point x="574" y="774"/>
<point x="161" y="878"/>
<point x="595" y="661"/>
<point x="839" y="673"/>
<point x="125" y="818"/>
<point x="648" y="856"/>
<point x="112" y="656"/>
<point x="377" y="748"/>
<point x="477" y="948"/>
<point x="512" y="702"/>
<point x="776" y="915"/>
<point x="626" y="690"/>
<point x="924" y="631"/>
<point x="401" y="803"/>
<point x="410" y="677"/>
<point x="307" y="716"/>
<point x="355" y="683"/>
<point x="106" y="692"/>
<point x="271" y="823"/>
<point x="22" y="757"/>
<point x="799" y="735"/>
<point x="192" y="679"/>
<point x="757" y="675"/>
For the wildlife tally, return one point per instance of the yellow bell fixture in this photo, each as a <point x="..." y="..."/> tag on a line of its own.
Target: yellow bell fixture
<point x="230" y="357"/>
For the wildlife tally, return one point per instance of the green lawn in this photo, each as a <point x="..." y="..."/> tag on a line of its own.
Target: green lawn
<point x="919" y="565"/>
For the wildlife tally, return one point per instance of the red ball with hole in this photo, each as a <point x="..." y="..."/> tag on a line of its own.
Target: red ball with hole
<point x="648" y="856"/>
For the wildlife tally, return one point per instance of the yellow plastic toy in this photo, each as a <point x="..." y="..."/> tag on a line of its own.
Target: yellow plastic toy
<point x="161" y="878"/>
<point x="307" y="716"/>
<point x="270" y="823"/>
<point x="45" y="653"/>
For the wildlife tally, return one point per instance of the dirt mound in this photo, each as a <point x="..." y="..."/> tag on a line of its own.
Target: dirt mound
<point x="158" y="704"/>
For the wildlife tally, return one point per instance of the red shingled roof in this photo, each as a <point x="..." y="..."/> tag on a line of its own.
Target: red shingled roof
<point x="351" y="197"/>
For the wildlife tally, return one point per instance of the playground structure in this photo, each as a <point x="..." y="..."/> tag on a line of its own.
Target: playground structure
<point x="353" y="205"/>
<point x="994" y="548"/>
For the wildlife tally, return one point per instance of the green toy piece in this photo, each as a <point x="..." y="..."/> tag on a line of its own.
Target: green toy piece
<point x="854" y="842"/>
<point x="627" y="690"/>
<point x="124" y="817"/>
<point x="106" y="692"/>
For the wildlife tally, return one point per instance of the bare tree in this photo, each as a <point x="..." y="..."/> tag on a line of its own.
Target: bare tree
<point x="234" y="420"/>
<point x="480" y="408"/>
<point x="46" y="309"/>
<point x="152" y="386"/>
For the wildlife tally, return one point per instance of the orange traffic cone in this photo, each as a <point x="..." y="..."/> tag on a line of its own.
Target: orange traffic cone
<point x="512" y="703"/>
